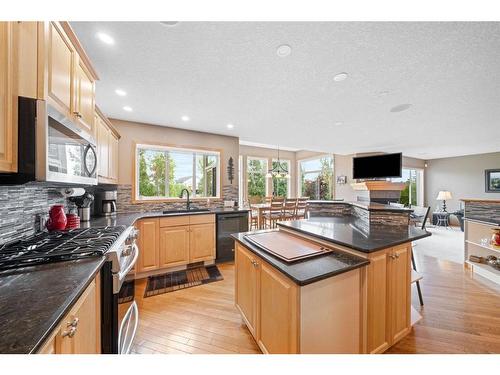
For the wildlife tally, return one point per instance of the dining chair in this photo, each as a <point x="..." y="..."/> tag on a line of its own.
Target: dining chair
<point x="420" y="214"/>
<point x="268" y="199"/>
<point x="302" y="207"/>
<point x="289" y="209"/>
<point x="252" y="216"/>
<point x="273" y="214"/>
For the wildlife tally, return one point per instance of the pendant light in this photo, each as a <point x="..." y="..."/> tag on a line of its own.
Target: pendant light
<point x="279" y="171"/>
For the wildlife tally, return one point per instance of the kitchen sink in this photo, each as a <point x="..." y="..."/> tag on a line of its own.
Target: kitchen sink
<point x="192" y="210"/>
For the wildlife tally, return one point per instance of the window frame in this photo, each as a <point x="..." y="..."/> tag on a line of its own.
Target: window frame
<point x="247" y="174"/>
<point x="299" y="173"/>
<point x="168" y="147"/>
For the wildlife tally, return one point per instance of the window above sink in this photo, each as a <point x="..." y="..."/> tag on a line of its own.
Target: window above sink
<point x="161" y="172"/>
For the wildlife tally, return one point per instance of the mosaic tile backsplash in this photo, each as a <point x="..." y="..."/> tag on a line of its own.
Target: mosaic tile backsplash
<point x="19" y="206"/>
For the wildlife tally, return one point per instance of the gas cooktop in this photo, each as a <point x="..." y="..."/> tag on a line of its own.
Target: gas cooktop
<point x="58" y="246"/>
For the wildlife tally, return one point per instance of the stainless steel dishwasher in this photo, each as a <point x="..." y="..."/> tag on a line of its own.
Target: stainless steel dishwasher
<point x="229" y="222"/>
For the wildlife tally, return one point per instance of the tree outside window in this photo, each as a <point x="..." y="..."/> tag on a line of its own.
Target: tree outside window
<point x="316" y="178"/>
<point x="256" y="172"/>
<point x="281" y="184"/>
<point x="163" y="172"/>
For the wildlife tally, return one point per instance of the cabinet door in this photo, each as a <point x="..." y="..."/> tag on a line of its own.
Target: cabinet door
<point x="174" y="246"/>
<point x="201" y="242"/>
<point x="60" y="69"/>
<point x="148" y="245"/>
<point x="103" y="148"/>
<point x="277" y="333"/>
<point x="84" y="103"/>
<point x="377" y="315"/>
<point x="246" y="287"/>
<point x="27" y="59"/>
<point x="8" y="107"/>
<point x="113" y="157"/>
<point x="80" y="330"/>
<point x="399" y="292"/>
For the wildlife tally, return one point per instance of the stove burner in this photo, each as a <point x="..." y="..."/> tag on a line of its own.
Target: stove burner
<point x="58" y="246"/>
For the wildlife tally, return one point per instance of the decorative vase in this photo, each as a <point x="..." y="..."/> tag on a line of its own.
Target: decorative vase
<point x="495" y="237"/>
<point x="57" y="218"/>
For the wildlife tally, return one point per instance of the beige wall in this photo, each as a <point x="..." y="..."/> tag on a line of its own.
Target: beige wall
<point x="151" y="134"/>
<point x="463" y="176"/>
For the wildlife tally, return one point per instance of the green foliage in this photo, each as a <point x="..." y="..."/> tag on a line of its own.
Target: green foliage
<point x="152" y="170"/>
<point x="280" y="184"/>
<point x="322" y="187"/>
<point x="256" y="180"/>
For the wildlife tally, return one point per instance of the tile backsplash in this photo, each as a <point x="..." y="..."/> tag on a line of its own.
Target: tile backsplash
<point x="19" y="205"/>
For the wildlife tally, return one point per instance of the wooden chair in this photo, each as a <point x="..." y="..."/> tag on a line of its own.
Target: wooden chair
<point x="253" y="216"/>
<point x="274" y="214"/>
<point x="268" y="199"/>
<point x="302" y="207"/>
<point x="289" y="209"/>
<point x="420" y="214"/>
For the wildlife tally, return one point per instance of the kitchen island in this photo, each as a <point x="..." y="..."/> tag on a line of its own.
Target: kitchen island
<point x="353" y="298"/>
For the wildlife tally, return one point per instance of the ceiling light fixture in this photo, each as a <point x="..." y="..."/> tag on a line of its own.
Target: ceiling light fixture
<point x="339" y="123"/>
<point x="127" y="108"/>
<point x="400" y="107"/>
<point x="230" y="126"/>
<point x="120" y="92"/>
<point x="280" y="169"/>
<point x="105" y="38"/>
<point x="169" y="23"/>
<point x="185" y="118"/>
<point x="340" y="77"/>
<point x="284" y="50"/>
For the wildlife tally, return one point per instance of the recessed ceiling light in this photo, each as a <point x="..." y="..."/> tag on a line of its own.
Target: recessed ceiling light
<point x="185" y="118"/>
<point x="340" y="77"/>
<point x="127" y="108"/>
<point x="339" y="123"/>
<point x="120" y="92"/>
<point x="383" y="93"/>
<point x="169" y="23"/>
<point x="105" y="38"/>
<point x="400" y="107"/>
<point x="284" y="50"/>
<point x="230" y="126"/>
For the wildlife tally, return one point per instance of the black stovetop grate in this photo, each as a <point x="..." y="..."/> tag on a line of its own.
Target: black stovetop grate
<point x="58" y="246"/>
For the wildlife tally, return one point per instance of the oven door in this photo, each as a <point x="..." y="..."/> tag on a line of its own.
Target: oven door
<point x="128" y="313"/>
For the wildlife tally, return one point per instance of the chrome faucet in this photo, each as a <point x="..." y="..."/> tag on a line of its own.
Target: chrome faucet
<point x="188" y="202"/>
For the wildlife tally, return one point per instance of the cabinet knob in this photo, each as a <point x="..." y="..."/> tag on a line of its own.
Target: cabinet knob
<point x="69" y="333"/>
<point x="77" y="114"/>
<point x="73" y="323"/>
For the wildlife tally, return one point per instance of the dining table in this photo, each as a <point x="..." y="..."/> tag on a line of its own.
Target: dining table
<point x="261" y="208"/>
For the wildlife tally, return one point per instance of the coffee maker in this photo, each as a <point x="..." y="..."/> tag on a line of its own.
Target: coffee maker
<point x="105" y="203"/>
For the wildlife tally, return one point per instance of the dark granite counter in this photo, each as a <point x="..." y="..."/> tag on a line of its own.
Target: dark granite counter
<point x="128" y="219"/>
<point x="369" y="206"/>
<point x="33" y="300"/>
<point x="352" y="233"/>
<point x="310" y="270"/>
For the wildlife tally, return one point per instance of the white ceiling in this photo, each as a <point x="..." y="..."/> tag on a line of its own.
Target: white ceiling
<point x="220" y="73"/>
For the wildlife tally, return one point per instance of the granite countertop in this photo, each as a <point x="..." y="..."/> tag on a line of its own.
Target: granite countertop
<point x="349" y="232"/>
<point x="369" y="206"/>
<point x="129" y="219"/>
<point x="33" y="300"/>
<point x="310" y="270"/>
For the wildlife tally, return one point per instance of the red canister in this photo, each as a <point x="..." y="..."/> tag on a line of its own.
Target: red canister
<point x="57" y="218"/>
<point x="495" y="238"/>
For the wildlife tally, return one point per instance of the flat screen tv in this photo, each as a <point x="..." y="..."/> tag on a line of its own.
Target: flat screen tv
<point x="377" y="166"/>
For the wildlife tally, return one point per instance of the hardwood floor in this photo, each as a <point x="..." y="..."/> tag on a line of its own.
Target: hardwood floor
<point x="461" y="315"/>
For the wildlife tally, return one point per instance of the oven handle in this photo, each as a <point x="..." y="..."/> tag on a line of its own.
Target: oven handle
<point x="120" y="276"/>
<point x="125" y="338"/>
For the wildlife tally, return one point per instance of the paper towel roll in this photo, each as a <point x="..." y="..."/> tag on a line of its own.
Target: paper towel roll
<point x="72" y="192"/>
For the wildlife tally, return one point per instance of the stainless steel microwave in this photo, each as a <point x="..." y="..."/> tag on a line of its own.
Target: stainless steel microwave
<point x="51" y="147"/>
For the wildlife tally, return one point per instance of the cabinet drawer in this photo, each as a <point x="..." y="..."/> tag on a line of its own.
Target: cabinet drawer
<point x="174" y="221"/>
<point x="202" y="219"/>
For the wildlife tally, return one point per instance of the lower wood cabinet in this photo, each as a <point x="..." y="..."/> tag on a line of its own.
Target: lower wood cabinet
<point x="246" y="291"/>
<point x="80" y="330"/>
<point x="175" y="241"/>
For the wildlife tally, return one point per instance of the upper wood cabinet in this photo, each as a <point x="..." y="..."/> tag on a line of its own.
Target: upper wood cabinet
<point x="70" y="78"/>
<point x="107" y="149"/>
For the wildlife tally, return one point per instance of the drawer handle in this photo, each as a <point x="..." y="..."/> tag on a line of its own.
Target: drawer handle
<point x="394" y="256"/>
<point x="255" y="264"/>
<point x="73" y="323"/>
<point x="69" y="333"/>
<point x="77" y="114"/>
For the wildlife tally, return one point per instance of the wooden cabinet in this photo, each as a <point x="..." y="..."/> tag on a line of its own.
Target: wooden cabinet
<point x="399" y="292"/>
<point x="60" y="60"/>
<point x="148" y="245"/>
<point x="69" y="75"/>
<point x="201" y="242"/>
<point x="268" y="302"/>
<point x="80" y="330"/>
<point x="278" y="330"/>
<point x="8" y="107"/>
<point x="174" y="246"/>
<point x="107" y="149"/>
<point x="175" y="241"/>
<point x="84" y="97"/>
<point x="246" y="287"/>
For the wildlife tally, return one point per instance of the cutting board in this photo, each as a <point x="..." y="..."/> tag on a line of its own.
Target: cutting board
<point x="286" y="246"/>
